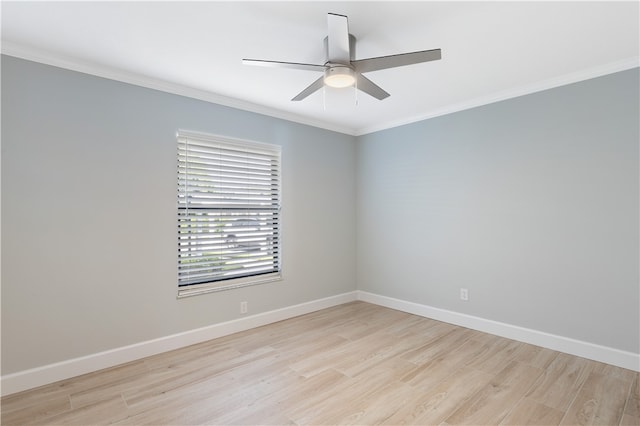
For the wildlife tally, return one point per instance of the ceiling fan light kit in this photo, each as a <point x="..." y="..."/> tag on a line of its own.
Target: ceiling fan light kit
<point x="341" y="69"/>
<point x="339" y="77"/>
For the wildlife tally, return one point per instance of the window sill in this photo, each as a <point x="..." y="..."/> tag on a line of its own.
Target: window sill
<point x="197" y="289"/>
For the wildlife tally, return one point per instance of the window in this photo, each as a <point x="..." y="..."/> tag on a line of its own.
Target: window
<point x="228" y="213"/>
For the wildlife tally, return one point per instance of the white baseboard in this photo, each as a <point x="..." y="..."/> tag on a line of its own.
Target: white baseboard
<point x="628" y="360"/>
<point x="39" y="376"/>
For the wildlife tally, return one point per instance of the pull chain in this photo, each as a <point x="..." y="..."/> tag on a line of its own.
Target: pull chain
<point x="324" y="98"/>
<point x="356" y="89"/>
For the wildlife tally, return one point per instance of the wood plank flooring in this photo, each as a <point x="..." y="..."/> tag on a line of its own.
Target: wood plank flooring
<point x="352" y="364"/>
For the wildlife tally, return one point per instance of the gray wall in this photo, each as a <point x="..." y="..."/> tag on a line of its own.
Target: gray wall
<point x="530" y="203"/>
<point x="89" y="214"/>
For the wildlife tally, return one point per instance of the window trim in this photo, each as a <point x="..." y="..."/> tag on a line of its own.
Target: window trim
<point x="233" y="282"/>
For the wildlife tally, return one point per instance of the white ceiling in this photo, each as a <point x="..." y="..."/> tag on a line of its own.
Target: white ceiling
<point x="490" y="50"/>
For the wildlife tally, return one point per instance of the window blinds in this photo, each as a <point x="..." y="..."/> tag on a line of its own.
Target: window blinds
<point x="228" y="211"/>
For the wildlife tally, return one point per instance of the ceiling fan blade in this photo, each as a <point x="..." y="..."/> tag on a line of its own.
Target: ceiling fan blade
<point x="316" y="85"/>
<point x="338" y="39"/>
<point x="392" y="61"/>
<point x="278" y="64"/>
<point x="370" y="88"/>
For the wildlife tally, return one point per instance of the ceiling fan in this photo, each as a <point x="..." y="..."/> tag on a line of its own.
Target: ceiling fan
<point x="341" y="69"/>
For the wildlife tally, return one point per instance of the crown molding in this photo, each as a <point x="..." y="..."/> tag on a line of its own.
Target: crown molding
<point x="75" y="64"/>
<point x="515" y="92"/>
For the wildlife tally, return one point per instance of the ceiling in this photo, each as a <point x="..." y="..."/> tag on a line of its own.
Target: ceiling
<point x="490" y="51"/>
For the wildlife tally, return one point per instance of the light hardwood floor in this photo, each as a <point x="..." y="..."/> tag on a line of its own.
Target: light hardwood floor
<point x="352" y="364"/>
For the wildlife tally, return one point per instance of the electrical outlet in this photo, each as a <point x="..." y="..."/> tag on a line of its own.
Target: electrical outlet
<point x="464" y="294"/>
<point x="243" y="307"/>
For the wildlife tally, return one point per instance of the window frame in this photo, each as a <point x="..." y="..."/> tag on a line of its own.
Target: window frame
<point x="273" y="212"/>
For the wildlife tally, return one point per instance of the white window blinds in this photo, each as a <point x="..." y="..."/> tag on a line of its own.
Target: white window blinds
<point x="228" y="213"/>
